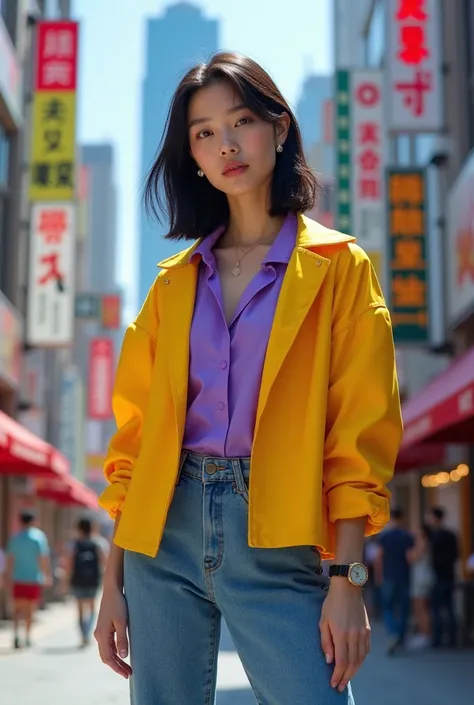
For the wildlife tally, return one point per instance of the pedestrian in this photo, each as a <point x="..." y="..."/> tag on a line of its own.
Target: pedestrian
<point x="422" y="581"/>
<point x="444" y="554"/>
<point x="258" y="417"/>
<point x="28" y="570"/>
<point x="86" y="565"/>
<point x="395" y="544"/>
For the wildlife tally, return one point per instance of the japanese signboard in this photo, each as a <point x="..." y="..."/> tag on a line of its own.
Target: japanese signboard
<point x="52" y="169"/>
<point x="101" y="378"/>
<point x="408" y="255"/>
<point x="71" y="420"/>
<point x="368" y="162"/>
<point x="88" y="306"/>
<point x="461" y="244"/>
<point x="342" y="134"/>
<point x="414" y="65"/>
<point x="50" y="284"/>
<point x="111" y="311"/>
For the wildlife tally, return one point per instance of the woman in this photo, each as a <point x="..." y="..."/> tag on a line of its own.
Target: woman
<point x="422" y="581"/>
<point x="258" y="417"/>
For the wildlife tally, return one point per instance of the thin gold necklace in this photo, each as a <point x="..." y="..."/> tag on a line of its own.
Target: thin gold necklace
<point x="237" y="269"/>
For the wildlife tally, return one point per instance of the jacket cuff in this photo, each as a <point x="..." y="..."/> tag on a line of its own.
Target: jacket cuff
<point x="347" y="502"/>
<point x="112" y="499"/>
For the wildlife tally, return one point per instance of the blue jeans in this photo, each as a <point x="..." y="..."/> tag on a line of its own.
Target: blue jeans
<point x="442" y="600"/>
<point x="396" y="608"/>
<point x="271" y="600"/>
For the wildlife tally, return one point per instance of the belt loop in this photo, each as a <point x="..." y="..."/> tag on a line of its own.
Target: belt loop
<point x="238" y="475"/>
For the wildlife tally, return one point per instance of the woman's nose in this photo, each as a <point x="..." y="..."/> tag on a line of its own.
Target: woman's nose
<point x="229" y="148"/>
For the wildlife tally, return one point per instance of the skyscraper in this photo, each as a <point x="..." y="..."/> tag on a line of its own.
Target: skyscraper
<point x="175" y="41"/>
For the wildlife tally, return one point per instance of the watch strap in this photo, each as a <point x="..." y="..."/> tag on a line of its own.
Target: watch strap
<point x="339" y="571"/>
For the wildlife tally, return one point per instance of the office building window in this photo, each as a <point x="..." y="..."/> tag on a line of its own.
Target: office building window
<point x="4" y="154"/>
<point x="375" y="37"/>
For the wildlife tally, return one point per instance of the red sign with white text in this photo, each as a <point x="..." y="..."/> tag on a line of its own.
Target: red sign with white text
<point x="414" y="65"/>
<point x="101" y="378"/>
<point x="56" y="57"/>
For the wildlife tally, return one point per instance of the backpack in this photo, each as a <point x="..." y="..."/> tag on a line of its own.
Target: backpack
<point x="86" y="572"/>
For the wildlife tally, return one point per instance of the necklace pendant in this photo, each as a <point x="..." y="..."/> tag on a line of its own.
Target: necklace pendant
<point x="236" y="271"/>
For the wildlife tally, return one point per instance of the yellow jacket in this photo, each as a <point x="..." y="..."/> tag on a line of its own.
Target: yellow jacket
<point x="328" y="424"/>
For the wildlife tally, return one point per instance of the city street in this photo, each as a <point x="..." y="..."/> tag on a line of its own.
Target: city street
<point x="55" y="670"/>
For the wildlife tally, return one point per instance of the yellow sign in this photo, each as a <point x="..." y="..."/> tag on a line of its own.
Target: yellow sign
<point x="52" y="168"/>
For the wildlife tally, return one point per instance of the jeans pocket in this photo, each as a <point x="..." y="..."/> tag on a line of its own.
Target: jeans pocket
<point x="242" y="491"/>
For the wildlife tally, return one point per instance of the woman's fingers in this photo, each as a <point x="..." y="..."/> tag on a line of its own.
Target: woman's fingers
<point x="108" y="653"/>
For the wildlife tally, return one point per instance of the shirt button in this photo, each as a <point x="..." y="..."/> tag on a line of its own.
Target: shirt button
<point x="221" y="405"/>
<point x="223" y="365"/>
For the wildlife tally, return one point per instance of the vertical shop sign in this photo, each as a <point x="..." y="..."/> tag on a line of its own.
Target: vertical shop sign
<point x="368" y="163"/>
<point x="343" y="152"/>
<point x="414" y="81"/>
<point x="50" y="300"/>
<point x="52" y="168"/>
<point x="101" y="376"/>
<point x="408" y="255"/>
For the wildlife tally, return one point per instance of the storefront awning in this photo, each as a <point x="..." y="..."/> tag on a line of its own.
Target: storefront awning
<point x="24" y="453"/>
<point x="67" y="490"/>
<point x="442" y="412"/>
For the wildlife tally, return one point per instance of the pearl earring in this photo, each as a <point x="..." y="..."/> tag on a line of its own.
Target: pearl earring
<point x="280" y="149"/>
<point x="200" y="172"/>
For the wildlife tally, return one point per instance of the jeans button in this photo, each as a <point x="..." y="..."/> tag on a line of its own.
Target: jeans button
<point x="211" y="468"/>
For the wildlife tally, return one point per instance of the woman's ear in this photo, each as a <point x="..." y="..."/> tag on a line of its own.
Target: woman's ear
<point x="282" y="127"/>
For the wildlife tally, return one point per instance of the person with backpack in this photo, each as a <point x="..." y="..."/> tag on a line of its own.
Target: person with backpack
<point x="87" y="561"/>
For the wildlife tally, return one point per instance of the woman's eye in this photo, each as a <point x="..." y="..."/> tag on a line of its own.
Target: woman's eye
<point x="203" y="133"/>
<point x="244" y="121"/>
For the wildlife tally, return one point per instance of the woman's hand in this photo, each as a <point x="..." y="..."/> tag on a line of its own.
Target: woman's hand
<point x="345" y="631"/>
<point x="111" y="631"/>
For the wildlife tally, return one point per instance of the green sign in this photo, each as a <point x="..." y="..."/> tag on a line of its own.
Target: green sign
<point x="88" y="306"/>
<point x="408" y="255"/>
<point x="343" y="152"/>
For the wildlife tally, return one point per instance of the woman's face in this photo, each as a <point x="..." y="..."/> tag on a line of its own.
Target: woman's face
<point x="235" y="149"/>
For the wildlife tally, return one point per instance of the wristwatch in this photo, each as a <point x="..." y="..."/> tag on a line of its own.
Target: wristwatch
<point x="356" y="573"/>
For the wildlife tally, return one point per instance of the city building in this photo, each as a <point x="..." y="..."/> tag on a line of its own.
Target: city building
<point x="315" y="117"/>
<point x="37" y="239"/>
<point x="99" y="300"/>
<point x="175" y="41"/>
<point x="428" y="131"/>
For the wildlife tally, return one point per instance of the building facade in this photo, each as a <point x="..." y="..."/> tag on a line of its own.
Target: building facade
<point x="38" y="433"/>
<point x="175" y="41"/>
<point x="437" y="373"/>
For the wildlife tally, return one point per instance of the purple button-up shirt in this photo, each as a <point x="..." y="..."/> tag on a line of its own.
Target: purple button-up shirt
<point x="226" y="362"/>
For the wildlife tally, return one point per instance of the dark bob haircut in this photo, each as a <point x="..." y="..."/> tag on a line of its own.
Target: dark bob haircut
<point x="173" y="188"/>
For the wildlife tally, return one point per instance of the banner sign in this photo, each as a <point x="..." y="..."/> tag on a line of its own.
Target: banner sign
<point x="408" y="255"/>
<point x="50" y="298"/>
<point x="53" y="171"/>
<point x="414" y="62"/>
<point x="101" y="378"/>
<point x="342" y="134"/>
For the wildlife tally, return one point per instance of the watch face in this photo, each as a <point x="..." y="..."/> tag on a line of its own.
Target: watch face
<point x="358" y="574"/>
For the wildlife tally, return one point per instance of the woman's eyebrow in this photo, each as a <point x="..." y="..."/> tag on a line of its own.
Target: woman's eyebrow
<point x="198" y="121"/>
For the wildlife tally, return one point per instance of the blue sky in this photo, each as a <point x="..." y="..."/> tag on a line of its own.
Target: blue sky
<point x="289" y="41"/>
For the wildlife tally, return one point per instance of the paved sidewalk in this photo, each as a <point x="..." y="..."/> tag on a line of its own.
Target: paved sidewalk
<point x="55" y="670"/>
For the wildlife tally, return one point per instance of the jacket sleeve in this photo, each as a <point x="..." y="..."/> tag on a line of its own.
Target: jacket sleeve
<point x="129" y="401"/>
<point x="364" y="425"/>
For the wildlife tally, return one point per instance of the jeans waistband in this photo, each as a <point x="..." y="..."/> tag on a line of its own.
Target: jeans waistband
<point x="211" y="469"/>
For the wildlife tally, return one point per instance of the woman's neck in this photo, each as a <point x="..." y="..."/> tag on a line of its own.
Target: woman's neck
<point x="250" y="223"/>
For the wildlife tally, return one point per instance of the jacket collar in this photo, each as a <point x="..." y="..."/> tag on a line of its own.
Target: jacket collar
<point x="311" y="235"/>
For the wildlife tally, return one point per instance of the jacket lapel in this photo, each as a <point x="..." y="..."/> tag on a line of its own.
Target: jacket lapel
<point x="303" y="279"/>
<point x="178" y="293"/>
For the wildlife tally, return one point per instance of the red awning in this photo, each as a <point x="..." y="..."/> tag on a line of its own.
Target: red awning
<point x="67" y="490"/>
<point x="24" y="453"/>
<point x="444" y="410"/>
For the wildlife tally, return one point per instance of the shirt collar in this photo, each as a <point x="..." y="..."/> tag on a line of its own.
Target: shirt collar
<point x="280" y="251"/>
